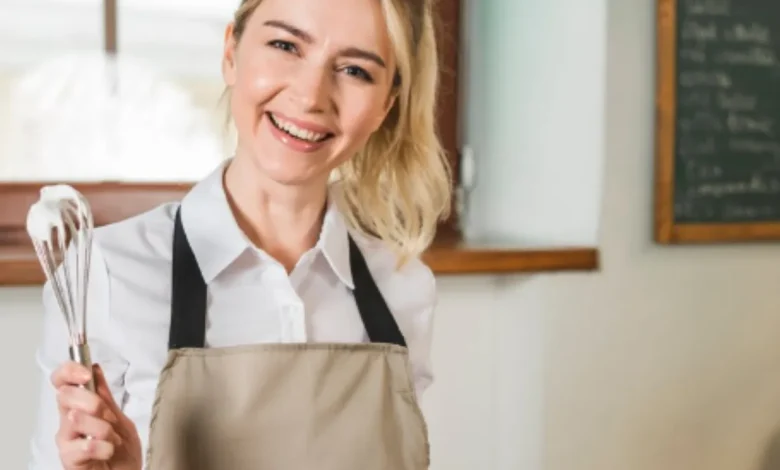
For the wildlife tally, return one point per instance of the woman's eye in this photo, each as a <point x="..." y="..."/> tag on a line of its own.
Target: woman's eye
<point x="284" y="45"/>
<point x="359" y="73"/>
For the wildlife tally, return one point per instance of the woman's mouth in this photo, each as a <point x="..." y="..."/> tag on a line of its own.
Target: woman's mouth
<point x="297" y="132"/>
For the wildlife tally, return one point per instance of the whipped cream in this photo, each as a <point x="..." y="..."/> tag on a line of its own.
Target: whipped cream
<point x="60" y="210"/>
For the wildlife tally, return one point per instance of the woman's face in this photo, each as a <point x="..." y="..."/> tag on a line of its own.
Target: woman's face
<point x="311" y="81"/>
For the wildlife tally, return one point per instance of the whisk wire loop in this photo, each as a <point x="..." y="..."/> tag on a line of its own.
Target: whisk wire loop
<point x="64" y="252"/>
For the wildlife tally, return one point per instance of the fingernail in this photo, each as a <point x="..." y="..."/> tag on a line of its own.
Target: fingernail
<point x="72" y="416"/>
<point x="86" y="444"/>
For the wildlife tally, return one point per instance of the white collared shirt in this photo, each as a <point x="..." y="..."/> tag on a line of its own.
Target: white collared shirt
<point x="252" y="299"/>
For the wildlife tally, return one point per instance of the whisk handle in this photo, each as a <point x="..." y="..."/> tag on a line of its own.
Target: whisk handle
<point x="80" y="353"/>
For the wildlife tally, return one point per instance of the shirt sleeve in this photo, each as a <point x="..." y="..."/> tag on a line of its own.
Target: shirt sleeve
<point x="53" y="351"/>
<point x="420" y="347"/>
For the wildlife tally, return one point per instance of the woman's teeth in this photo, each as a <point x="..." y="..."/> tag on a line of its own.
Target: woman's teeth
<point x="296" y="131"/>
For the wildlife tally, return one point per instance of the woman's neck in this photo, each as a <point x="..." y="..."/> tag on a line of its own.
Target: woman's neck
<point x="284" y="221"/>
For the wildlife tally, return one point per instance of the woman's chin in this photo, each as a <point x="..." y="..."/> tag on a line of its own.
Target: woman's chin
<point x="287" y="168"/>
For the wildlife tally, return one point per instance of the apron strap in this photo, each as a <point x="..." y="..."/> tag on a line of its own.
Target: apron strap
<point x="189" y="297"/>
<point x="377" y="318"/>
<point x="188" y="294"/>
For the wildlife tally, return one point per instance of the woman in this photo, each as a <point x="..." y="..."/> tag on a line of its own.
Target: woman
<point x="258" y="325"/>
<point x="278" y="318"/>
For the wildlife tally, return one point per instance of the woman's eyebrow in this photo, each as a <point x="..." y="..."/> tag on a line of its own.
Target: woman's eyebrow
<point x="297" y="32"/>
<point x="356" y="53"/>
<point x="353" y="52"/>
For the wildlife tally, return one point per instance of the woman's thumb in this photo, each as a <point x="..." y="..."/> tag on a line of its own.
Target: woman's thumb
<point x="103" y="390"/>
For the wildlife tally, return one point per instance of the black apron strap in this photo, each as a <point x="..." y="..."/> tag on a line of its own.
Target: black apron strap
<point x="377" y="318"/>
<point x="189" y="297"/>
<point x="188" y="294"/>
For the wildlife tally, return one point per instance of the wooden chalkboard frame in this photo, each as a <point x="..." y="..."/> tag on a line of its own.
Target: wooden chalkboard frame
<point x="667" y="231"/>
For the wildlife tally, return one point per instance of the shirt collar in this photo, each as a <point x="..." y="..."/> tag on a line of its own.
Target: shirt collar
<point x="212" y="231"/>
<point x="334" y="244"/>
<point x="217" y="241"/>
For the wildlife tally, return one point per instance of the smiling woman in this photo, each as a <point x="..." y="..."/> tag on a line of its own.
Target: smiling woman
<point x="186" y="44"/>
<point x="345" y="78"/>
<point x="274" y="283"/>
<point x="120" y="197"/>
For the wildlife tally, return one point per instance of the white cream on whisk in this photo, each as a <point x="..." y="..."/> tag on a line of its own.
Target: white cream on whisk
<point x="42" y="217"/>
<point x="59" y="222"/>
<point x="47" y="213"/>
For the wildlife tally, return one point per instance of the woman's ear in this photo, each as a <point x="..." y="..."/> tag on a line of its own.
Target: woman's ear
<point x="229" y="57"/>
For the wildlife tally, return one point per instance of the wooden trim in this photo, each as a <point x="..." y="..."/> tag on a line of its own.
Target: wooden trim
<point x="667" y="231"/>
<point x="112" y="202"/>
<point x="666" y="103"/>
<point x="464" y="259"/>
<point x="448" y="101"/>
<point x="110" y="27"/>
<point x="22" y="269"/>
<point x="708" y="233"/>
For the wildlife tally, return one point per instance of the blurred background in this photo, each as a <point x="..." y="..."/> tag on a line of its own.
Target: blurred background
<point x="71" y="97"/>
<point x="665" y="358"/>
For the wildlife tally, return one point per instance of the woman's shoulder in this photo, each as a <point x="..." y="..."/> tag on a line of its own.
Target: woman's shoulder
<point x="143" y="236"/>
<point x="410" y="285"/>
<point x="132" y="258"/>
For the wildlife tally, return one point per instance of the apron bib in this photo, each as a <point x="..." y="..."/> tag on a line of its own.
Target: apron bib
<point x="310" y="406"/>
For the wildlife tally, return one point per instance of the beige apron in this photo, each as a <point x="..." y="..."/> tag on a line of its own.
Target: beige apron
<point x="311" y="406"/>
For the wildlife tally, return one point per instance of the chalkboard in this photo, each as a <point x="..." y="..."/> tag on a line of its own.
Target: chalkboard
<point x="718" y="121"/>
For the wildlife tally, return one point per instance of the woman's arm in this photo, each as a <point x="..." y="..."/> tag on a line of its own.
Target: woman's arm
<point x="421" y="335"/>
<point x="53" y="352"/>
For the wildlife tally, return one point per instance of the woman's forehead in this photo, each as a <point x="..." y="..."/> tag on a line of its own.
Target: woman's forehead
<point x="342" y="22"/>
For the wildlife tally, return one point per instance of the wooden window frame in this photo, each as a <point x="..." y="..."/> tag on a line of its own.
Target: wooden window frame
<point x="450" y="254"/>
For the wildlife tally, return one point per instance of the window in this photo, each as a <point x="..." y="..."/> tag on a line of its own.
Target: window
<point x="57" y="83"/>
<point x="179" y="40"/>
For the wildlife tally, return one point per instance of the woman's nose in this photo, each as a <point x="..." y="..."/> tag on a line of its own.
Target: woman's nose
<point x="311" y="89"/>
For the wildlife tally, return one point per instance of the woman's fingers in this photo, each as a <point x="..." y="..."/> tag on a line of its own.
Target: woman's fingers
<point x="103" y="391"/>
<point x="70" y="373"/>
<point x="83" y="413"/>
<point x="74" y="453"/>
<point x="72" y="398"/>
<point x="94" y="414"/>
<point x="85" y="425"/>
<point x="124" y="426"/>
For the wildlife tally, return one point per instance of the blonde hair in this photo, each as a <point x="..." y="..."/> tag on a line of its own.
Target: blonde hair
<point x="398" y="186"/>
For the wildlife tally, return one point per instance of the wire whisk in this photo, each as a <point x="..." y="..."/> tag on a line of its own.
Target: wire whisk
<point x="60" y="225"/>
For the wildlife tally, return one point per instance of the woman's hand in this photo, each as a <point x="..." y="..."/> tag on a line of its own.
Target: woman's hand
<point x="114" y="442"/>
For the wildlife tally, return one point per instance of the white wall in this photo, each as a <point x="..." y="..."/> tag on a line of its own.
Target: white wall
<point x="535" y="97"/>
<point x="668" y="359"/>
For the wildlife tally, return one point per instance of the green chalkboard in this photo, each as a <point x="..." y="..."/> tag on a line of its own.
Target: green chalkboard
<point x="719" y="119"/>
